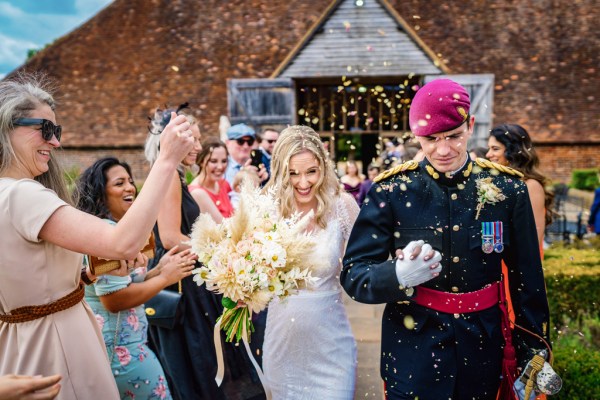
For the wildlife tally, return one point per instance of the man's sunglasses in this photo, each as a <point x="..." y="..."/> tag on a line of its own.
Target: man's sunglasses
<point x="249" y="141"/>
<point x="271" y="141"/>
<point x="48" y="128"/>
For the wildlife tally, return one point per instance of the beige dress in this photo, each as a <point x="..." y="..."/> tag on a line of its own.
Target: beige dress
<point x="34" y="272"/>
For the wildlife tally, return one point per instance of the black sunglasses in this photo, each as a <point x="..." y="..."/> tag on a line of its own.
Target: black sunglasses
<point x="249" y="141"/>
<point x="271" y="141"/>
<point x="48" y="127"/>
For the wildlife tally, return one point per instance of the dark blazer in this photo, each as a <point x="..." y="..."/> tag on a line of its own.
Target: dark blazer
<point x="426" y="353"/>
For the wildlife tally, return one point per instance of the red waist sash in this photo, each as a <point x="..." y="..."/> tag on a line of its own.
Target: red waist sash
<point x="456" y="303"/>
<point x="489" y="296"/>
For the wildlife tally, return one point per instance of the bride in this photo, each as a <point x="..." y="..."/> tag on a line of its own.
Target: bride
<point x="309" y="350"/>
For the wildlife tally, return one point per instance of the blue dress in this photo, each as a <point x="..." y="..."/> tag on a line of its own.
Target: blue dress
<point x="136" y="369"/>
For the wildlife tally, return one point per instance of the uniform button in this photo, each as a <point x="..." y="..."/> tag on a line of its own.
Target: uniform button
<point x="456" y="315"/>
<point x="409" y="291"/>
<point x="454" y="289"/>
<point x="455" y="259"/>
<point x="454" y="196"/>
<point x="455" y="228"/>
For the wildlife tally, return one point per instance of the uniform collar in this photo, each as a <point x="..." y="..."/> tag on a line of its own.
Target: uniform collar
<point x="449" y="179"/>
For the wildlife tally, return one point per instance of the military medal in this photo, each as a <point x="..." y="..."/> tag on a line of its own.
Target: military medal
<point x="487" y="237"/>
<point x="498" y="240"/>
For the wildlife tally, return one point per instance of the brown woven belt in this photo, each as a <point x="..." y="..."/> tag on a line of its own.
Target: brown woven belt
<point x="29" y="313"/>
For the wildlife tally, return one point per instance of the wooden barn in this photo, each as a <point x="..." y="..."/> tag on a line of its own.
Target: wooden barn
<point x="348" y="68"/>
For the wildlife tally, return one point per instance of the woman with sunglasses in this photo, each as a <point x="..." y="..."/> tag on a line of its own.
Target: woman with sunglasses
<point x="106" y="190"/>
<point x="45" y="327"/>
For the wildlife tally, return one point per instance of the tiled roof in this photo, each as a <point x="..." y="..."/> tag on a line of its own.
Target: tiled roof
<point x="137" y="55"/>
<point x="365" y="40"/>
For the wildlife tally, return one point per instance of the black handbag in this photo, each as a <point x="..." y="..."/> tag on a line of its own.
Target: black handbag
<point x="166" y="309"/>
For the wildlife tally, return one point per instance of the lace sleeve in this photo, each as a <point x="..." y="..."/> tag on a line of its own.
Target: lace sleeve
<point x="347" y="211"/>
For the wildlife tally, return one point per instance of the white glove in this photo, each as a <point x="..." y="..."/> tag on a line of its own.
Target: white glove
<point x="414" y="272"/>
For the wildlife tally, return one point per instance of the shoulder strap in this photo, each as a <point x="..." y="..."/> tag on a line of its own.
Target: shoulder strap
<point x="483" y="163"/>
<point x="407" y="166"/>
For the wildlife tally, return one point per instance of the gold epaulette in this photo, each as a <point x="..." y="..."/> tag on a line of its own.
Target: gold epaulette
<point x="407" y="166"/>
<point x="483" y="163"/>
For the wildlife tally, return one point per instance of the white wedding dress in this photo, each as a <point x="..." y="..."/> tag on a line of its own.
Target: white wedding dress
<point x="309" y="351"/>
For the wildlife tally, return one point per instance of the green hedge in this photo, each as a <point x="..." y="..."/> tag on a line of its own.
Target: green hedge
<point x="577" y="361"/>
<point x="585" y="179"/>
<point x="573" y="283"/>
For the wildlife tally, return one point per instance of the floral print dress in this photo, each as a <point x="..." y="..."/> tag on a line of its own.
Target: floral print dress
<point x="136" y="369"/>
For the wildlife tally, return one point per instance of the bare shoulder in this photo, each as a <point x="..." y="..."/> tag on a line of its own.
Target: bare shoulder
<point x="199" y="193"/>
<point x="534" y="186"/>
<point x="407" y="166"/>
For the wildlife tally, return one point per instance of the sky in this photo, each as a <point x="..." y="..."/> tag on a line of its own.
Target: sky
<point x="32" y="24"/>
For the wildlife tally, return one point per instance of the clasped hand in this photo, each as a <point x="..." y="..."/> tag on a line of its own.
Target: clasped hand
<point x="421" y="264"/>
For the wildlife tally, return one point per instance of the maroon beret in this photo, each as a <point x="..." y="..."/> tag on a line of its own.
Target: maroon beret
<point x="439" y="106"/>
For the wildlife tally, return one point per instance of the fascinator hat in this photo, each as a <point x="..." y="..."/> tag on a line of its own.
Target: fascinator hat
<point x="157" y="124"/>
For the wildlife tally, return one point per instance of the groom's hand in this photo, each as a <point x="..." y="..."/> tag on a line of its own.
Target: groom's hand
<point x="421" y="266"/>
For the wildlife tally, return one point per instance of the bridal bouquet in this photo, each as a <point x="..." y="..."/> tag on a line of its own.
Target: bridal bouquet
<point x="253" y="257"/>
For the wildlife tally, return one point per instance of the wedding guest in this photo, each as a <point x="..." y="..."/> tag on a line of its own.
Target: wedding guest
<point x="210" y="187"/>
<point x="45" y="327"/>
<point x="106" y="190"/>
<point x="314" y="355"/>
<point x="187" y="351"/>
<point x="372" y="171"/>
<point x="266" y="143"/>
<point x="240" y="142"/>
<point x="594" y="219"/>
<point x="352" y="179"/>
<point x="21" y="387"/>
<point x="445" y="331"/>
<point x="511" y="145"/>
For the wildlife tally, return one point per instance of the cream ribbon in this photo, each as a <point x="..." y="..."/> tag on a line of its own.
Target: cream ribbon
<point x="221" y="362"/>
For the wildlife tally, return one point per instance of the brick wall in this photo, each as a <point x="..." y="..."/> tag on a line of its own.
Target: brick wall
<point x="557" y="161"/>
<point x="83" y="158"/>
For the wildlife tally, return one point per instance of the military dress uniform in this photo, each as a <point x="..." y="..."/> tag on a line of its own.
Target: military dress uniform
<point x="439" y="355"/>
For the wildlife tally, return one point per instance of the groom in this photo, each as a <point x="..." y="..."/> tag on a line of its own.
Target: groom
<point x="442" y="331"/>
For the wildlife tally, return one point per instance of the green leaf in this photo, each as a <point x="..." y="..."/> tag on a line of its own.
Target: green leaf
<point x="228" y="303"/>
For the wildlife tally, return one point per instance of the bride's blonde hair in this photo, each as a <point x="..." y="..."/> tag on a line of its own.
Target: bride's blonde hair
<point x="295" y="140"/>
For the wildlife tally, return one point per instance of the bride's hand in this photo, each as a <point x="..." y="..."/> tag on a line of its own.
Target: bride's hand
<point x="415" y="253"/>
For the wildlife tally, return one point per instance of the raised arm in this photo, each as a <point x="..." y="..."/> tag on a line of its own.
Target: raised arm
<point x="78" y="231"/>
<point x="169" y="216"/>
